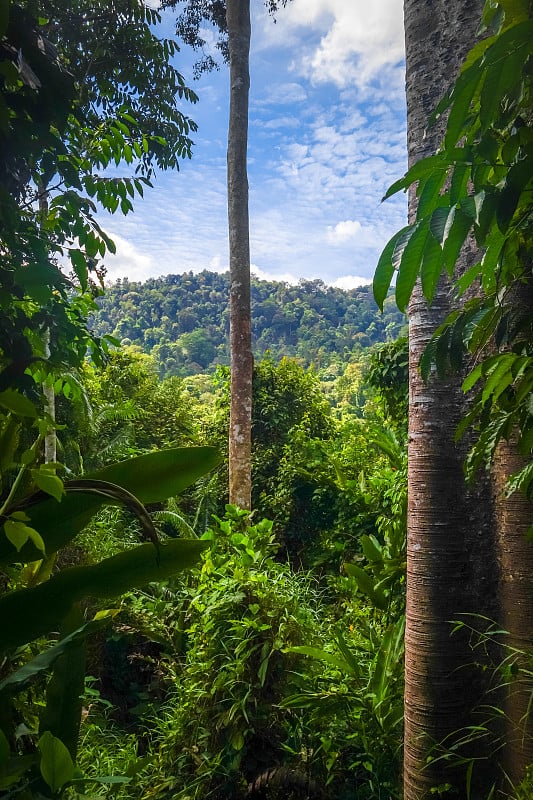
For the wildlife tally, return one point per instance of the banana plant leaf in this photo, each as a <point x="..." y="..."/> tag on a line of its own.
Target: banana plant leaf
<point x="29" y="613"/>
<point x="61" y="715"/>
<point x="151" y="478"/>
<point x="26" y="675"/>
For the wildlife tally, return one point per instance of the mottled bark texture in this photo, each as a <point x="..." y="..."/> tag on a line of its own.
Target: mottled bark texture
<point x="239" y="32"/>
<point x="451" y="568"/>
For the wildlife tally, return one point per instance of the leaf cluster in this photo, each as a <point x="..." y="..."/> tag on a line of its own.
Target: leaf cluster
<point x="74" y="102"/>
<point x="478" y="187"/>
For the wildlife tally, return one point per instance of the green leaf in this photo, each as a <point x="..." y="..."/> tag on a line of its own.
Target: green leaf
<point x="48" y="482"/>
<point x="410" y="264"/>
<point x="151" y="478"/>
<point x="472" y="378"/>
<point x="498" y="375"/>
<point x="365" y="584"/>
<point x="489" y="262"/>
<point x="421" y="169"/>
<point x="79" y="264"/>
<point x="16" y="402"/>
<point x="30" y="672"/>
<point x="466" y="280"/>
<point x="459" y="183"/>
<point x="432" y="266"/>
<point x="106" y="780"/>
<point x="57" y="767"/>
<point x="322" y="655"/>
<point x="385" y="268"/>
<point x="456" y="231"/>
<point x="62" y="713"/>
<point x="18" y="534"/>
<point x="503" y="64"/>
<point x="371" y="548"/>
<point x="486" y="204"/>
<point x="461" y="99"/>
<point x="438" y="222"/>
<point x="237" y="740"/>
<point x="29" y="613"/>
<point x="388" y="657"/>
<point x="429" y="192"/>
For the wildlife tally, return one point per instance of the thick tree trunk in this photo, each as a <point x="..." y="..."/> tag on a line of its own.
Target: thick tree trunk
<point x="514" y="515"/>
<point x="449" y="528"/>
<point x="239" y="32"/>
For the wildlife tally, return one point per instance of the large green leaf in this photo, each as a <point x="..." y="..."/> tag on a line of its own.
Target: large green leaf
<point x="38" y="666"/>
<point x="461" y="98"/>
<point x="387" y="659"/>
<point x="385" y="268"/>
<point x="62" y="713"/>
<point x="29" y="613"/>
<point x="151" y="478"/>
<point x="323" y="655"/>
<point x="411" y="261"/>
<point x="432" y="266"/>
<point x="366" y="585"/>
<point x="57" y="767"/>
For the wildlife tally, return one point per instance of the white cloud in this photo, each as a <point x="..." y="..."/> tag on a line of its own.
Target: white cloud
<point x="351" y="282"/>
<point x="128" y="261"/>
<point x="354" y="43"/>
<point x="321" y="154"/>
<point x="343" y="231"/>
<point x="265" y="275"/>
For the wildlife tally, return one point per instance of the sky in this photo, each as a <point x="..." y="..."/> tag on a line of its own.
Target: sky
<point x="326" y="139"/>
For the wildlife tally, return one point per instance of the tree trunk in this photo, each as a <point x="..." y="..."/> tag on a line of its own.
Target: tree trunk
<point x="514" y="515"/>
<point x="450" y="529"/>
<point x="239" y="32"/>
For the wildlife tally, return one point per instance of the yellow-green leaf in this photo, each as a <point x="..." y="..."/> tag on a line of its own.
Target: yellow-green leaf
<point x="57" y="767"/>
<point x="18" y="534"/>
<point x="48" y="483"/>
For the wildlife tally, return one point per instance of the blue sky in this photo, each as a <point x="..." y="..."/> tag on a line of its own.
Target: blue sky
<point x="326" y="139"/>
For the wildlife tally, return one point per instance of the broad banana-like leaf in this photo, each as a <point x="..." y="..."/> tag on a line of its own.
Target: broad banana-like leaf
<point x="61" y="715"/>
<point x="151" y="478"/>
<point x="29" y="613"/>
<point x="34" y="669"/>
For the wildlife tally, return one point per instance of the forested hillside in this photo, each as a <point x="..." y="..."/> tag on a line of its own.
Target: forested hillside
<point x="183" y="320"/>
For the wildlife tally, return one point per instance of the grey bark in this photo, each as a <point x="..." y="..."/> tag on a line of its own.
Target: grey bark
<point x="239" y="33"/>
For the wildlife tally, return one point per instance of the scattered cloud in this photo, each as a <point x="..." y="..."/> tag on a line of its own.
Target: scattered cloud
<point x="326" y="139"/>
<point x="353" y="47"/>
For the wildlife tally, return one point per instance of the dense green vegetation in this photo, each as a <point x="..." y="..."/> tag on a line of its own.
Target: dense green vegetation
<point x="183" y="320"/>
<point x="272" y="665"/>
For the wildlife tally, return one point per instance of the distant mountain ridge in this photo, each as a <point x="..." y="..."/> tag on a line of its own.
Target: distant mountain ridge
<point x="183" y="320"/>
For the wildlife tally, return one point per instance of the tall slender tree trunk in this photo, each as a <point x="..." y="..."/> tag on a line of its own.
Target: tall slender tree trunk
<point x="50" y="439"/>
<point x="449" y="528"/>
<point x="239" y="32"/>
